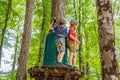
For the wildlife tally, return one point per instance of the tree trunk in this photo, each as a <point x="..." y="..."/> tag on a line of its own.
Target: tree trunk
<point x="75" y="12"/>
<point x="42" y="34"/>
<point x="107" y="41"/>
<point x="81" y="28"/>
<point x="15" y="54"/>
<point x="87" y="70"/>
<point x="23" y="59"/>
<point x="43" y="29"/>
<point x="80" y="38"/>
<point x="58" y="9"/>
<point x="4" y="29"/>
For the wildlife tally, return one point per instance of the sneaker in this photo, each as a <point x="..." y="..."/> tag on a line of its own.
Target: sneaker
<point x="70" y="66"/>
<point x="75" y="67"/>
<point x="59" y="64"/>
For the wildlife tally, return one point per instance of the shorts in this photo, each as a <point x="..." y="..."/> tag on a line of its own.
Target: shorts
<point x="72" y="46"/>
<point x="60" y="44"/>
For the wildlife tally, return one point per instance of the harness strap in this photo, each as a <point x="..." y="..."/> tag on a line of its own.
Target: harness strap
<point x="60" y="35"/>
<point x="59" y="45"/>
<point x="59" y="30"/>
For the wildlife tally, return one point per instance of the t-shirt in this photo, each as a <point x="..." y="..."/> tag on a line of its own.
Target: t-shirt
<point x="63" y="31"/>
<point x="73" y="33"/>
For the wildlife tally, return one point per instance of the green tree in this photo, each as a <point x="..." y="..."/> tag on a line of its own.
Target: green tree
<point x="5" y="27"/>
<point x="44" y="28"/>
<point x="23" y="59"/>
<point x="107" y="40"/>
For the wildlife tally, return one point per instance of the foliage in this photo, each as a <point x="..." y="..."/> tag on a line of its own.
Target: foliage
<point x="85" y="13"/>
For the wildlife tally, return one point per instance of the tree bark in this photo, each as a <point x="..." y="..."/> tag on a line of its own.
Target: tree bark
<point x="81" y="28"/>
<point x="75" y="12"/>
<point x="80" y="38"/>
<point x="58" y="9"/>
<point x="107" y="40"/>
<point x="4" y="29"/>
<point x="15" y="54"/>
<point x="43" y="29"/>
<point x="23" y="58"/>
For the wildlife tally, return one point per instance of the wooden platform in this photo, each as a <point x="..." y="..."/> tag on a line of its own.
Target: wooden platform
<point x="54" y="73"/>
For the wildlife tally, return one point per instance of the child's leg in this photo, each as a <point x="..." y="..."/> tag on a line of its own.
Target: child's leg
<point x="60" y="56"/>
<point x="74" y="59"/>
<point x="61" y="50"/>
<point x="70" y="58"/>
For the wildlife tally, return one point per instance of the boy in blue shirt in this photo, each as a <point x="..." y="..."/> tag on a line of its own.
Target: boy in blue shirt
<point x="61" y="32"/>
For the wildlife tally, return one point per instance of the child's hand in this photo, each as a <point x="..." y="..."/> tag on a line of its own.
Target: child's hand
<point x="77" y="41"/>
<point x="54" y="19"/>
<point x="77" y="35"/>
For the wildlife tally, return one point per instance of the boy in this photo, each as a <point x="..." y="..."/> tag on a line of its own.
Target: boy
<point x="61" y="32"/>
<point x="72" y="43"/>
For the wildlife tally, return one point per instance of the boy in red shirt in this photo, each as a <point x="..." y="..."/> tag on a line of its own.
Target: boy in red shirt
<point x="72" y="43"/>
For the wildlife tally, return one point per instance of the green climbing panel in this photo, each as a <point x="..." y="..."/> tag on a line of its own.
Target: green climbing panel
<point x="50" y="52"/>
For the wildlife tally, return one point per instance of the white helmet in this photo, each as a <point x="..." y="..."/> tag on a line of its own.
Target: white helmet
<point x="62" y="20"/>
<point x="73" y="21"/>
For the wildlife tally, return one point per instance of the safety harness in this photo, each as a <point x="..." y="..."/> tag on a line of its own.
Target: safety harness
<point x="60" y="31"/>
<point x="60" y="34"/>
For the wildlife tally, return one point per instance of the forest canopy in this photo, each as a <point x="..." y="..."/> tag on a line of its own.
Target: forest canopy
<point x="12" y="18"/>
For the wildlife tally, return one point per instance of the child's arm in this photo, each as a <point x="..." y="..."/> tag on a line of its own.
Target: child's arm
<point x="77" y="35"/>
<point x="75" y="39"/>
<point x="51" y="26"/>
